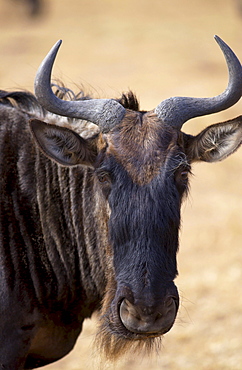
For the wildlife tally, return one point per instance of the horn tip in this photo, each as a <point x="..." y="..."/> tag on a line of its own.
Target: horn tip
<point x="59" y="42"/>
<point x="55" y="48"/>
<point x="57" y="45"/>
<point x="218" y="40"/>
<point x="222" y="44"/>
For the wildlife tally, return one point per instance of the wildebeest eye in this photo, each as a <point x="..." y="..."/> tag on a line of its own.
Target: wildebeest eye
<point x="184" y="175"/>
<point x="103" y="177"/>
<point x="104" y="180"/>
<point x="181" y="178"/>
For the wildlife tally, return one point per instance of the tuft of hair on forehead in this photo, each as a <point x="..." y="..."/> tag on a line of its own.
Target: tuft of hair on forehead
<point x="129" y="101"/>
<point x="140" y="143"/>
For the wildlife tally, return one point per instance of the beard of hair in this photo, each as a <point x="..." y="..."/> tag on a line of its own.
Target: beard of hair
<point x="113" y="340"/>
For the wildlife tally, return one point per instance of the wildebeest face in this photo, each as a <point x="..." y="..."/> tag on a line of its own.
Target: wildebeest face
<point x="140" y="171"/>
<point x="144" y="176"/>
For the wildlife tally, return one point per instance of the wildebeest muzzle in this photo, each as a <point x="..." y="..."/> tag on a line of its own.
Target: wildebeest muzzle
<point x="146" y="314"/>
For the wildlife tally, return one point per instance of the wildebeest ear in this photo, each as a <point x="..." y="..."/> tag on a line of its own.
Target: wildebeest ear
<point x="63" y="145"/>
<point x="216" y="142"/>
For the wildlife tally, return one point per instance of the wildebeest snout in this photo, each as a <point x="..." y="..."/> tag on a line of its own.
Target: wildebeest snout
<point x="149" y="319"/>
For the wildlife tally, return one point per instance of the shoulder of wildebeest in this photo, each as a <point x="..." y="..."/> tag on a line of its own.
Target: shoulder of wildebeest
<point x="89" y="218"/>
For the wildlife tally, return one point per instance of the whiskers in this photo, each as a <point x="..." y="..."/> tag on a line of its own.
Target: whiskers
<point x="183" y="318"/>
<point x="112" y="346"/>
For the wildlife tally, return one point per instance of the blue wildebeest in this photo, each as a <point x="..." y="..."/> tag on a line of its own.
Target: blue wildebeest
<point x="91" y="223"/>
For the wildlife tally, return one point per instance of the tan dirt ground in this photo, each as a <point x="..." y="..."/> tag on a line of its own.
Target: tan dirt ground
<point x="158" y="49"/>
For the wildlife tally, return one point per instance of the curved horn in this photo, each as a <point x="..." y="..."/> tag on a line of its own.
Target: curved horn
<point x="177" y="110"/>
<point x="105" y="113"/>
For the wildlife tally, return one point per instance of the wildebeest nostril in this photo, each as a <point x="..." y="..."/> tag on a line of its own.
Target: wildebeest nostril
<point x="148" y="320"/>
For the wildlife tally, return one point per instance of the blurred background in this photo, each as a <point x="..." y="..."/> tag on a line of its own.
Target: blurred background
<point x="158" y="49"/>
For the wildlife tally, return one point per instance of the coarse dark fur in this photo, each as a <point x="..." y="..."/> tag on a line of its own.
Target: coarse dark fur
<point x="49" y="240"/>
<point x="99" y="232"/>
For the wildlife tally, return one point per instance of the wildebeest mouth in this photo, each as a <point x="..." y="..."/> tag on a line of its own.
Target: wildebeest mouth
<point x="143" y="336"/>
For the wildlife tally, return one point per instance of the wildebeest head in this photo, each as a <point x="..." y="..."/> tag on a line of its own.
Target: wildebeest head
<point x="141" y="163"/>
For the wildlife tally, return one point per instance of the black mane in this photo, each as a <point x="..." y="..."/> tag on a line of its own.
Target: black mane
<point x="19" y="99"/>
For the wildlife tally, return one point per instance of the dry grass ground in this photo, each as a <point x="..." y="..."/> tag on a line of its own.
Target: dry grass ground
<point x="158" y="49"/>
